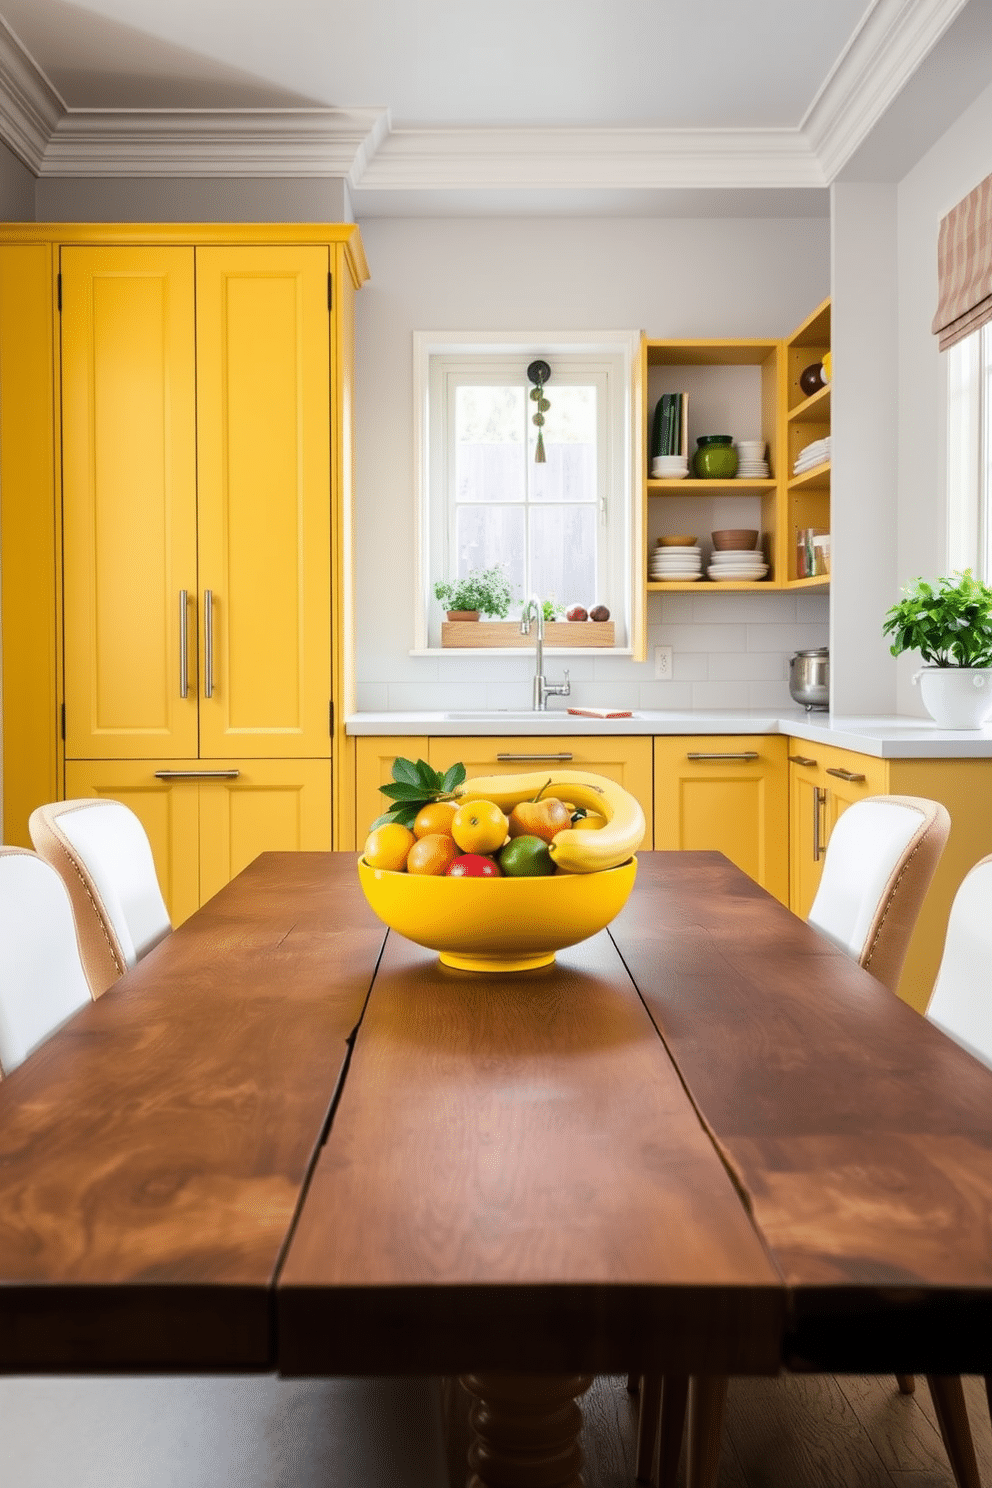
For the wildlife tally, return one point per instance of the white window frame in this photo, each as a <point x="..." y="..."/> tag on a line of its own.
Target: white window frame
<point x="969" y="454"/>
<point x="438" y="354"/>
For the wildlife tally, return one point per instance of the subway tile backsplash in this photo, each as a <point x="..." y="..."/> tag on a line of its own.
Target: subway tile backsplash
<point x="728" y="651"/>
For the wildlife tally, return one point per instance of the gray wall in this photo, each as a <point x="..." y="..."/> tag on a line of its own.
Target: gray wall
<point x="169" y="199"/>
<point x="17" y="186"/>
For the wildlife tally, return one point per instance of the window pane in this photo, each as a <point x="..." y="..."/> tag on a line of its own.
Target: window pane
<point x="569" y="472"/>
<point x="563" y="553"/>
<point x="489" y="443"/>
<point x="491" y="534"/>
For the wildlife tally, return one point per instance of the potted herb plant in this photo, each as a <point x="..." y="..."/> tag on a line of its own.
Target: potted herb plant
<point x="483" y="591"/>
<point x="949" y="622"/>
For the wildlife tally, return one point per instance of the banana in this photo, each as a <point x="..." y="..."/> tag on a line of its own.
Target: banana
<point x="578" y="852"/>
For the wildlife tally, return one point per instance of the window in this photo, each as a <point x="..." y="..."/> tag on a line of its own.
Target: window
<point x="561" y="527"/>
<point x="969" y="454"/>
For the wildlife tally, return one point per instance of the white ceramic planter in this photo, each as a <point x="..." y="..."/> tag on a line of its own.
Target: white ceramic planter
<point x="956" y="697"/>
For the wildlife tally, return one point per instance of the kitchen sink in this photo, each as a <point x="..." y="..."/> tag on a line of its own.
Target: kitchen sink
<point x="523" y="715"/>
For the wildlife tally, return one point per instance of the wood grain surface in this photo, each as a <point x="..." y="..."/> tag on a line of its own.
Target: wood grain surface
<point x="863" y="1134"/>
<point x="154" y="1150"/>
<point x="514" y="1179"/>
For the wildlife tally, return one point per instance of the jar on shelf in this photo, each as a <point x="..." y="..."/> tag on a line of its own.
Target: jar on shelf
<point x="716" y="457"/>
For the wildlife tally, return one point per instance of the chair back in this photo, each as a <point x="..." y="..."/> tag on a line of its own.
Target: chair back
<point x="102" y="852"/>
<point x="960" y="1003"/>
<point x="880" y="860"/>
<point x="41" y="975"/>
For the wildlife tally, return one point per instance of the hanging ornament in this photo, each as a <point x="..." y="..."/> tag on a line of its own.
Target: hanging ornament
<point x="539" y="373"/>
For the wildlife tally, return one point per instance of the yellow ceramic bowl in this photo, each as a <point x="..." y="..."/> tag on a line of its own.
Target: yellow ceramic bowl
<point x="497" y="924"/>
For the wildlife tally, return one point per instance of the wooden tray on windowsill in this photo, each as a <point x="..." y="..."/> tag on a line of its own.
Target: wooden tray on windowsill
<point x="506" y="633"/>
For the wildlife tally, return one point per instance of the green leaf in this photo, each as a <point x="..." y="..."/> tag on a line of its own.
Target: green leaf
<point x="402" y="792"/>
<point x="454" y="777"/>
<point x="429" y="778"/>
<point x="405" y="771"/>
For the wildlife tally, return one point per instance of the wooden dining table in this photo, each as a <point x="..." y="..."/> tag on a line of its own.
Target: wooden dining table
<point x="702" y="1143"/>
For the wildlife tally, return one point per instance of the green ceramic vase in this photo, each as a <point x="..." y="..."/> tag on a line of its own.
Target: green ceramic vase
<point x="716" y="457"/>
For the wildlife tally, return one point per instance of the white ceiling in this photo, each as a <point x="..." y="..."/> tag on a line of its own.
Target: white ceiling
<point x="643" y="106"/>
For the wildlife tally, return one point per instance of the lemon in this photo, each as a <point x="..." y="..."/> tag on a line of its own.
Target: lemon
<point x="479" y="827"/>
<point x="387" y="847"/>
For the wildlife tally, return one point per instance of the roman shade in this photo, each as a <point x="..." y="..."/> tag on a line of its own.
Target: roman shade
<point x="964" y="267"/>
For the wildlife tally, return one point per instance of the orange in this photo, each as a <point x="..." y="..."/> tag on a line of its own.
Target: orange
<point x="387" y="847"/>
<point x="436" y="817"/>
<point x="432" y="854"/>
<point x="479" y="827"/>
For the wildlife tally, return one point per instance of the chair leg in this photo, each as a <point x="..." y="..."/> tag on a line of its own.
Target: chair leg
<point x="647" y="1426"/>
<point x="952" y="1418"/>
<point x="674" y="1399"/>
<point x="707" y="1399"/>
<point x="906" y="1383"/>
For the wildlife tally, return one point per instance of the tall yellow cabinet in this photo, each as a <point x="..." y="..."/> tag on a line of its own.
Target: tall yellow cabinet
<point x="198" y="413"/>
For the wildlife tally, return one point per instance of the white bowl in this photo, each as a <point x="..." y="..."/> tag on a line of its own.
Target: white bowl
<point x="737" y="555"/>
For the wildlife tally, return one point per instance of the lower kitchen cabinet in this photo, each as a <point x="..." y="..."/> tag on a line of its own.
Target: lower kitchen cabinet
<point x="826" y="780"/>
<point x="373" y="763"/>
<point x="728" y="793"/>
<point x="625" y="759"/>
<point x="209" y="821"/>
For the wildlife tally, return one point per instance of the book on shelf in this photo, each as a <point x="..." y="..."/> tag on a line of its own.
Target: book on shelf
<point x="669" y="430"/>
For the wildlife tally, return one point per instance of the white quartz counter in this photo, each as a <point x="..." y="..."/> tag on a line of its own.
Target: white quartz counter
<point x="885" y="738"/>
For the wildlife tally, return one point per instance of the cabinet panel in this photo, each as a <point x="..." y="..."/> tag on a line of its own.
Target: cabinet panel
<point x="263" y="404"/>
<point x="167" y="809"/>
<point x="625" y="760"/>
<point x="373" y="764"/>
<point x="129" y="499"/>
<point x="724" y="801"/>
<point x="824" y="781"/>
<point x="272" y="806"/>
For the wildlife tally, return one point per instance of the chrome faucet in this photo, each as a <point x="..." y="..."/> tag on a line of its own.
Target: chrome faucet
<point x="543" y="689"/>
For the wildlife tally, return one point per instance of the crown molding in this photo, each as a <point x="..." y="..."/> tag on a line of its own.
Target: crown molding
<point x="468" y="159"/>
<point x="220" y="142"/>
<point x="30" y="108"/>
<point x="881" y="57"/>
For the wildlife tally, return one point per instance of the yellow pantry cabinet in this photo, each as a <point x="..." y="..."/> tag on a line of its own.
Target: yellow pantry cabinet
<point x="201" y="377"/>
<point x="727" y="793"/>
<point x="825" y="780"/>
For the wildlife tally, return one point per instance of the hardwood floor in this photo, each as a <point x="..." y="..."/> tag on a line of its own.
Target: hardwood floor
<point x="815" y="1431"/>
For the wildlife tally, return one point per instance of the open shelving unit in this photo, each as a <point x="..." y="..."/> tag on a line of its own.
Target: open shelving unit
<point x="750" y="389"/>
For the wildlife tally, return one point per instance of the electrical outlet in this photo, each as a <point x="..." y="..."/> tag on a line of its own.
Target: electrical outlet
<point x="663" y="663"/>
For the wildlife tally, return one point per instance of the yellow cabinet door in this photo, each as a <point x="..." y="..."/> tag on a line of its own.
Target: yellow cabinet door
<point x="824" y="781"/>
<point x="168" y="809"/>
<point x="624" y="759"/>
<point x="264" y="469"/>
<point x="728" y="793"/>
<point x="373" y="765"/>
<point x="267" y="806"/>
<point x="129" y="501"/>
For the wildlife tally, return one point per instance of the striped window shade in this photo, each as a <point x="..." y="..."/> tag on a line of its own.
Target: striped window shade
<point x="964" y="267"/>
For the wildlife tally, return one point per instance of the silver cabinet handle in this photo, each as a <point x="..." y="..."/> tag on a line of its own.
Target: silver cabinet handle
<point x="208" y="643"/>
<point x="197" y="774"/>
<point x="846" y="775"/>
<point x="513" y="758"/>
<point x="802" y="759"/>
<point x="745" y="754"/>
<point x="183" y="643"/>
<point x="819" y="802"/>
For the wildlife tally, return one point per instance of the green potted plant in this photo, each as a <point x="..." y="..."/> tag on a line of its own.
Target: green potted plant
<point x="949" y="622"/>
<point x="482" y="591"/>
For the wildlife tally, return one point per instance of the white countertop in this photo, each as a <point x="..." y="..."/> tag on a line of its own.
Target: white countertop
<point x="885" y="738"/>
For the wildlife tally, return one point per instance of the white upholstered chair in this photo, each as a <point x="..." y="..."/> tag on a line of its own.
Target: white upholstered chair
<point x="880" y="860"/>
<point x="102" y="853"/>
<point x="41" y="975"/>
<point x="961" y="1003"/>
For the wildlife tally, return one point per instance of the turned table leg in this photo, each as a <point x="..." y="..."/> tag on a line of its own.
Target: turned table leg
<point x="525" y="1430"/>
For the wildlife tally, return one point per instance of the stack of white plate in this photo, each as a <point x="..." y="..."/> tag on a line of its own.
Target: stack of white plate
<point x="736" y="564"/>
<point x="675" y="565"/>
<point x="751" y="462"/>
<point x="669" y="467"/>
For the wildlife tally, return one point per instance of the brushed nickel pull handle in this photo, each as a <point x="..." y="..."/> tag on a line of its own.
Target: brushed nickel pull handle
<point x="516" y="758"/>
<point x="183" y="643"/>
<point x="197" y="774"/>
<point x="745" y="754"/>
<point x="802" y="759"/>
<point x="819" y="802"/>
<point x="846" y="775"/>
<point x="208" y="643"/>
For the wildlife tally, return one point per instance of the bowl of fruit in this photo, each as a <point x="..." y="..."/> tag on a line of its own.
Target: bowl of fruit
<point x="500" y="872"/>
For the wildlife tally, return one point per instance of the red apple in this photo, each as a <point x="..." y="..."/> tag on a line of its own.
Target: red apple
<point x="577" y="613"/>
<point x="474" y="865"/>
<point x="600" y="612"/>
<point x="541" y="818"/>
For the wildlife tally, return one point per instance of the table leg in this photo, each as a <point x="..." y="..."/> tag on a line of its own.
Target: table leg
<point x="525" y="1430"/>
<point x="707" y="1397"/>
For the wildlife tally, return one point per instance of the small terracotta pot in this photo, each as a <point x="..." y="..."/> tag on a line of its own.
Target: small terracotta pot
<point x="463" y="614"/>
